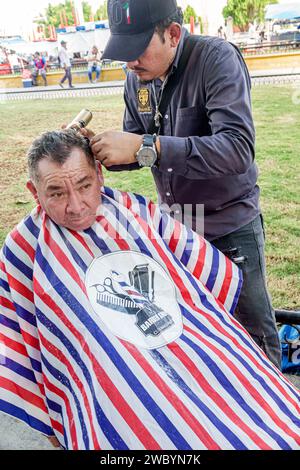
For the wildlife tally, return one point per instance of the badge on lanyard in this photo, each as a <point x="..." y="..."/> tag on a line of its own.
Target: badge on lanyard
<point x="143" y="99"/>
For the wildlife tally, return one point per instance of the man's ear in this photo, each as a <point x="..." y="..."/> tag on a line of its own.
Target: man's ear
<point x="31" y="187"/>
<point x="99" y="172"/>
<point x="174" y="31"/>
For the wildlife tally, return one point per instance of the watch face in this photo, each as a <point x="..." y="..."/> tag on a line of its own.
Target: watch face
<point x="146" y="156"/>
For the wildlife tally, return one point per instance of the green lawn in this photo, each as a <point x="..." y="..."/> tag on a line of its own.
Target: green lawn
<point x="278" y="148"/>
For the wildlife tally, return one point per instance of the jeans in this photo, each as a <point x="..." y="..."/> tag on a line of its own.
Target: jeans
<point x="94" y="68"/>
<point x="67" y="75"/>
<point x="254" y="311"/>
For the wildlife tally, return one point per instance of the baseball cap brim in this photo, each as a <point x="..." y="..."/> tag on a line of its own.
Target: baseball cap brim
<point x="127" y="47"/>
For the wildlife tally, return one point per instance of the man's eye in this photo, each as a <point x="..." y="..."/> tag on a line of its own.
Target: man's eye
<point x="57" y="195"/>
<point x="86" y="186"/>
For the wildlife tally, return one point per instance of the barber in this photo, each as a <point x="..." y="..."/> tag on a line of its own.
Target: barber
<point x="202" y="150"/>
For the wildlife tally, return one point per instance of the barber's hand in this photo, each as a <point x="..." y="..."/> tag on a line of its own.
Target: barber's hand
<point x="115" y="147"/>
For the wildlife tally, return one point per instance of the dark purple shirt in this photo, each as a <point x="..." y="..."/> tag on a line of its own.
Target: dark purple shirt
<point x="207" y="138"/>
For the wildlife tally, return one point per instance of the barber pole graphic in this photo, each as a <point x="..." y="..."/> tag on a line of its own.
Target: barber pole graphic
<point x="126" y="8"/>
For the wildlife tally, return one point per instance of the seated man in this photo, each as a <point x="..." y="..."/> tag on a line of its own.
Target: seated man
<point x="116" y="326"/>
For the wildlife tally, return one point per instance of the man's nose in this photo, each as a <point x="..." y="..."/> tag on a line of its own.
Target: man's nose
<point x="74" y="205"/>
<point x="132" y="64"/>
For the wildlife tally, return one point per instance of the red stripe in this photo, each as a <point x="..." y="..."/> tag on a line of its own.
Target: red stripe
<point x="175" y="237"/>
<point x="31" y="340"/>
<point x="201" y="261"/>
<point x="226" y="282"/>
<point x="215" y="396"/>
<point x="61" y="357"/>
<point x="250" y="388"/>
<point x="16" y="285"/>
<point x="24" y="394"/>
<point x="109" y="229"/>
<point x="82" y="241"/>
<point x="23" y="244"/>
<point x="57" y="425"/>
<point x="105" y="382"/>
<point x="14" y="345"/>
<point x="126" y="200"/>
<point x="175" y="401"/>
<point x="52" y="388"/>
<point x="62" y="258"/>
<point x="4" y="302"/>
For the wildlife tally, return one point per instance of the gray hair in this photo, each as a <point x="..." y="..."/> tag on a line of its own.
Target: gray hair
<point x="56" y="146"/>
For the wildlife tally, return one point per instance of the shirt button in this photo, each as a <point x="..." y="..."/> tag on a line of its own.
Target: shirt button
<point x="166" y="116"/>
<point x="168" y="194"/>
<point x="170" y="170"/>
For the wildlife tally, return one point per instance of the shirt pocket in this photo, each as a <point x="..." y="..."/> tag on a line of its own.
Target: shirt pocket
<point x="191" y="121"/>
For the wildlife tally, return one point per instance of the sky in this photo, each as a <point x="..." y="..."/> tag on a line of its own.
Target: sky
<point x="16" y="15"/>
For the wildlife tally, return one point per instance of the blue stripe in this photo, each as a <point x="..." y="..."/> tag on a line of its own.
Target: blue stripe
<point x="19" y="413"/>
<point x="78" y="260"/>
<point x="188" y="249"/>
<point x="32" y="227"/>
<point x="4" y="285"/>
<point x="114" y="356"/>
<point x="100" y="243"/>
<point x="109" y="431"/>
<point x="60" y="377"/>
<point x="249" y="368"/>
<point x="142" y="208"/>
<point x="52" y="405"/>
<point x="13" y="325"/>
<point x="129" y="227"/>
<point x="214" y="270"/>
<point x="15" y="261"/>
<point x="17" y="368"/>
<point x="25" y="314"/>
<point x="227" y="385"/>
<point x="175" y="377"/>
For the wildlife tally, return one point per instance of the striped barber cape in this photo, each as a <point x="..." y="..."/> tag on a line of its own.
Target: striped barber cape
<point x="121" y="336"/>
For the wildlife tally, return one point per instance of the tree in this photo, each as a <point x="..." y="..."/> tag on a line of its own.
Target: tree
<point x="101" y="13"/>
<point x="55" y="14"/>
<point x="188" y="12"/>
<point x="244" y="12"/>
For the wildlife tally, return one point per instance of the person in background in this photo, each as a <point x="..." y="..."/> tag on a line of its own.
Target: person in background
<point x="40" y="64"/>
<point x="65" y="63"/>
<point x="94" y="64"/>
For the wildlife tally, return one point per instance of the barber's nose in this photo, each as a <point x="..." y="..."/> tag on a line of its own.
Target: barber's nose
<point x="132" y="64"/>
<point x="74" y="203"/>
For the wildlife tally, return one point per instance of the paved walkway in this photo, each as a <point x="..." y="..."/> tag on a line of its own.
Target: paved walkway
<point x="56" y="92"/>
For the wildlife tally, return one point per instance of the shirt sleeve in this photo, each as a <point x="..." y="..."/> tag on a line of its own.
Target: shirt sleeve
<point x="22" y="393"/>
<point x="230" y="148"/>
<point x="213" y="269"/>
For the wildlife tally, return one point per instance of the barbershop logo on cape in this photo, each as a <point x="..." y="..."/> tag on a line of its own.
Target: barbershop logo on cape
<point x="135" y="298"/>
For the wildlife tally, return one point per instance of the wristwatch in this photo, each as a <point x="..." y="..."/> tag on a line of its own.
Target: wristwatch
<point x="147" y="154"/>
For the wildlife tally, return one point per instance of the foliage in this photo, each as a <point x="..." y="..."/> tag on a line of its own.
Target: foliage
<point x="188" y="12"/>
<point x="244" y="12"/>
<point x="101" y="13"/>
<point x="53" y="14"/>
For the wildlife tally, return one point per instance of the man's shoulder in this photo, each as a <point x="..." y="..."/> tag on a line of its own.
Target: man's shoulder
<point x="27" y="231"/>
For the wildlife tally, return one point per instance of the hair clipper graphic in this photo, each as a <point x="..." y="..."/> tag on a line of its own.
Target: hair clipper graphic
<point x="135" y="299"/>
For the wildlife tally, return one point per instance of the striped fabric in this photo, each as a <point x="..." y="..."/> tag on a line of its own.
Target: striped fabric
<point x="65" y="372"/>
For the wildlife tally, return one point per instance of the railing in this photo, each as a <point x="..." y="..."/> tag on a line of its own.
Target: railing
<point x="77" y="65"/>
<point x="269" y="47"/>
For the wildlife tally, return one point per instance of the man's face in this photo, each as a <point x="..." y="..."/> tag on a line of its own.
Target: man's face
<point x="157" y="58"/>
<point x="68" y="193"/>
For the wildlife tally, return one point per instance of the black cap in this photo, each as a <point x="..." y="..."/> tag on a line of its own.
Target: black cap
<point x="132" y="24"/>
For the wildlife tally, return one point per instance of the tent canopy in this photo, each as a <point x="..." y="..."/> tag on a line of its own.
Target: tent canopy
<point x="288" y="11"/>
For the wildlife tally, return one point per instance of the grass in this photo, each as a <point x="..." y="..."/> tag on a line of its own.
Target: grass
<point x="278" y="149"/>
